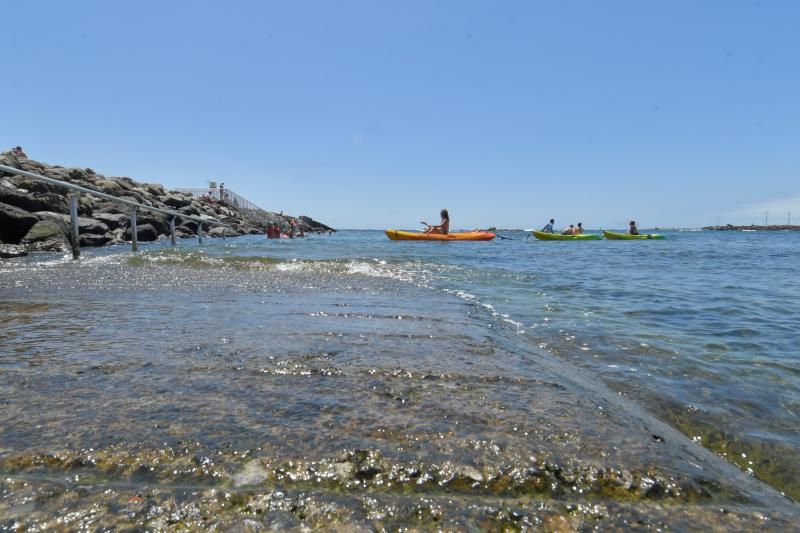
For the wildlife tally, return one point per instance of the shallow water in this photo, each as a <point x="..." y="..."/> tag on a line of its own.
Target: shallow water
<point x="395" y="384"/>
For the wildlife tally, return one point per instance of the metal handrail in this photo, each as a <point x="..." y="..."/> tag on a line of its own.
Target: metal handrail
<point x="227" y="196"/>
<point x="134" y="205"/>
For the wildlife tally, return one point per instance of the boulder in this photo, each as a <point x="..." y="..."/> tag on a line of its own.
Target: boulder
<point x="155" y="189"/>
<point x="47" y="236"/>
<point x="114" y="220"/>
<point x="34" y="186"/>
<point x="14" y="223"/>
<point x="190" y="210"/>
<point x="86" y="205"/>
<point x="130" y="198"/>
<point x="175" y="201"/>
<point x="118" y="235"/>
<point x="76" y="173"/>
<point x="141" y="192"/>
<point x="188" y="225"/>
<point x="85" y="225"/>
<point x="8" y="251"/>
<point x="93" y="239"/>
<point x="29" y="202"/>
<point x="104" y="206"/>
<point x="157" y="220"/>
<point x="144" y="233"/>
<point x="109" y="187"/>
<point x="220" y="231"/>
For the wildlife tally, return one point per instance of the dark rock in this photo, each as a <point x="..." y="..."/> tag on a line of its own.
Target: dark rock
<point x="109" y="187"/>
<point x="220" y="231"/>
<point x="111" y="207"/>
<point x="190" y="210"/>
<point x="144" y="233"/>
<point x="8" y="251"/>
<point x="76" y="173"/>
<point x="114" y="220"/>
<point x="157" y="220"/>
<point x="30" y="185"/>
<point x="130" y="198"/>
<point x="92" y="239"/>
<point x="14" y="223"/>
<point x="47" y="236"/>
<point x="175" y="201"/>
<point x="154" y="189"/>
<point x="189" y="225"/>
<point x="86" y="205"/>
<point x="29" y="202"/>
<point x="314" y="225"/>
<point x="85" y="225"/>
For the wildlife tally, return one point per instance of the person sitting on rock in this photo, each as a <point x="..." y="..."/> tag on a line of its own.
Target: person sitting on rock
<point x="18" y="153"/>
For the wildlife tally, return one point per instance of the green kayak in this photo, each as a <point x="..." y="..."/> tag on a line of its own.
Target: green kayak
<point x="542" y="236"/>
<point x="625" y="237"/>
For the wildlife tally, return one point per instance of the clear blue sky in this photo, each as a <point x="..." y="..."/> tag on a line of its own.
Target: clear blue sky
<point x="375" y="114"/>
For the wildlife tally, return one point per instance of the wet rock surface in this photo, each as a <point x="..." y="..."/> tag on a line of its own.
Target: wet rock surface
<point x="255" y="397"/>
<point x="25" y="201"/>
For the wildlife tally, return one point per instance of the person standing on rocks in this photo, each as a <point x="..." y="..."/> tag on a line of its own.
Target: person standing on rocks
<point x="222" y="191"/>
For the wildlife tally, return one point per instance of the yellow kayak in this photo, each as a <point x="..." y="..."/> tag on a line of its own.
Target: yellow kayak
<point x="400" y="235"/>
<point x="544" y="236"/>
<point x="625" y="237"/>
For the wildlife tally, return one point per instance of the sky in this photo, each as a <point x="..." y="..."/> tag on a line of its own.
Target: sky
<point x="377" y="114"/>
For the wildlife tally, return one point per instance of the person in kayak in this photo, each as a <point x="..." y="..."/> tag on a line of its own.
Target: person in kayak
<point x="548" y="228"/>
<point x="633" y="230"/>
<point x="569" y="231"/>
<point x="578" y="230"/>
<point x="443" y="228"/>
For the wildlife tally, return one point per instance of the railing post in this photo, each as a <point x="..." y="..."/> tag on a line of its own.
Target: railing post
<point x="73" y="215"/>
<point x="199" y="233"/>
<point x="172" y="230"/>
<point x="134" y="232"/>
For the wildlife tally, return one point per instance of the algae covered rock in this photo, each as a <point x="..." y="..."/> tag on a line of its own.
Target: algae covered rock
<point x="47" y="236"/>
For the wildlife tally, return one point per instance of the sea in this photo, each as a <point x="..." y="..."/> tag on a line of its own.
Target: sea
<point x="346" y="381"/>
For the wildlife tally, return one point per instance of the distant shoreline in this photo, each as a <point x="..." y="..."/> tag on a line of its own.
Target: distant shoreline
<point x="753" y="227"/>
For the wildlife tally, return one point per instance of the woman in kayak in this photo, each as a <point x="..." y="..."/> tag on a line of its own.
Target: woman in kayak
<point x="443" y="228"/>
<point x="632" y="230"/>
<point x="568" y="231"/>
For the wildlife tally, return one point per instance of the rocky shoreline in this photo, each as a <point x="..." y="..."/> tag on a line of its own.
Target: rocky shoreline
<point x="34" y="214"/>
<point x="753" y="227"/>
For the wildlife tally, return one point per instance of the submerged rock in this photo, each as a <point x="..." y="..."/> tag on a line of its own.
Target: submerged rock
<point x="8" y="251"/>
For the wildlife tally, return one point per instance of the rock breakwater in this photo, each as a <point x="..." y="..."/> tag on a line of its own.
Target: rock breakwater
<point x="34" y="214"/>
<point x="753" y="227"/>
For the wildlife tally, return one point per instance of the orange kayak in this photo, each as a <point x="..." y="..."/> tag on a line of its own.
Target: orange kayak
<point x="399" y="235"/>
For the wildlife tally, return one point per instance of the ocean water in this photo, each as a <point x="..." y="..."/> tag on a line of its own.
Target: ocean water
<point x="349" y="379"/>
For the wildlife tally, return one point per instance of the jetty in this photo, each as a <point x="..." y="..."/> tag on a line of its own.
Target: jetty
<point x="754" y="227"/>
